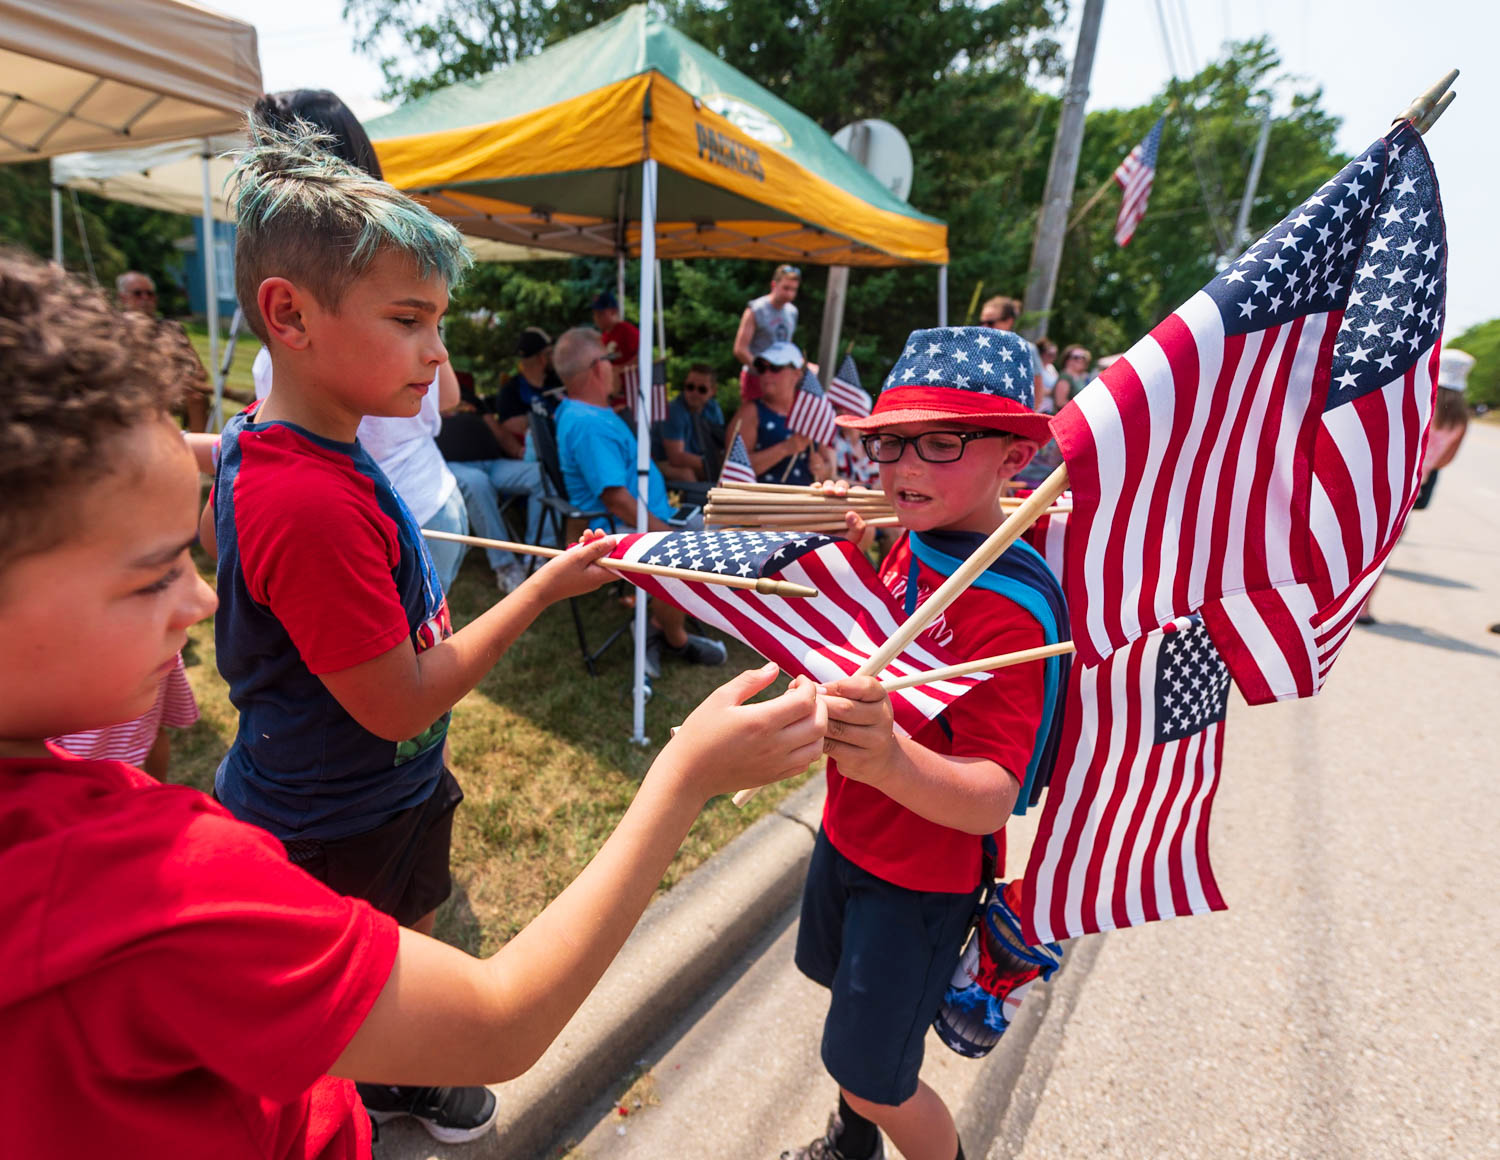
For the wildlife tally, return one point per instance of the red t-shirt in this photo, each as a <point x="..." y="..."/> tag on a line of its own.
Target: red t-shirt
<point x="625" y="339"/>
<point x="170" y="985"/>
<point x="998" y="720"/>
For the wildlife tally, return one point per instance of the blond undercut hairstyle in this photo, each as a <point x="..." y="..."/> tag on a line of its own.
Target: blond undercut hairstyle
<point x="310" y="217"/>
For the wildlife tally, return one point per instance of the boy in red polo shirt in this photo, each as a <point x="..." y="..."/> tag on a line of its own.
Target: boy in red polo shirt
<point x="896" y="871"/>
<point x="170" y="984"/>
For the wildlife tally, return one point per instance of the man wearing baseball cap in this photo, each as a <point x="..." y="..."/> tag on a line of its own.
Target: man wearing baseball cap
<point x="911" y="824"/>
<point x="622" y="339"/>
<point x="769" y="319"/>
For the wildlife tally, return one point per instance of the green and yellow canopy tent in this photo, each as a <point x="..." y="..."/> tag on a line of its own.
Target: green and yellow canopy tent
<point x="632" y="140"/>
<point x="553" y="152"/>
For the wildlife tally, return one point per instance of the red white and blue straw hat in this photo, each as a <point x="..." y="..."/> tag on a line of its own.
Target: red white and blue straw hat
<point x="969" y="375"/>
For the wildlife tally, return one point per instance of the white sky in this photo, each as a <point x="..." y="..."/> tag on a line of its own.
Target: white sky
<point x="1370" y="56"/>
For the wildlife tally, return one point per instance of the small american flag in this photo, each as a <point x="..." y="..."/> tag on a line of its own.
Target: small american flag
<point x="812" y="414"/>
<point x="737" y="467"/>
<point x="1255" y="456"/>
<point x="630" y="378"/>
<point x="825" y="637"/>
<point x="1134" y="177"/>
<point x="1123" y="836"/>
<point x="846" y="392"/>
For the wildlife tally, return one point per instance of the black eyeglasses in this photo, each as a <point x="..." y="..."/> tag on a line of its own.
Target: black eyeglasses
<point x="992" y="323"/>
<point x="931" y="446"/>
<point x="697" y="388"/>
<point x="762" y="367"/>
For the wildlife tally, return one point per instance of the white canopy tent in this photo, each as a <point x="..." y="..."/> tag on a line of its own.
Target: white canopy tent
<point x="188" y="177"/>
<point x="102" y="74"/>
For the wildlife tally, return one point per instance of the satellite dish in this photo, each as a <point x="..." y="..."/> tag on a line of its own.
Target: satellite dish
<point x="880" y="147"/>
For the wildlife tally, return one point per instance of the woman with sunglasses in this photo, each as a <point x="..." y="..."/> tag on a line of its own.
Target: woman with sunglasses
<point x="777" y="453"/>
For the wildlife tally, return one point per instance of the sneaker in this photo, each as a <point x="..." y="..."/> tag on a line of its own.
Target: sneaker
<point x="826" y="1146"/>
<point x="452" y="1115"/>
<point x="509" y="577"/>
<point x="697" y="650"/>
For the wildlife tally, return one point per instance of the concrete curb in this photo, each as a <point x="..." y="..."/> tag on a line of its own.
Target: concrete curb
<point x="685" y="941"/>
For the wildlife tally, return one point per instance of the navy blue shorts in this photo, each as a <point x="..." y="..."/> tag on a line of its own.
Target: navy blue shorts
<point x="887" y="954"/>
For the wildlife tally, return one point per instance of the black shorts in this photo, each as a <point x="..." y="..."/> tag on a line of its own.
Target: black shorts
<point x="887" y="954"/>
<point x="401" y="867"/>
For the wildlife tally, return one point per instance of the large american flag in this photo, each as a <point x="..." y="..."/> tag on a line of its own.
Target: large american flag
<point x="630" y="382"/>
<point x="812" y="414"/>
<point x="846" y="392"/>
<point x="1123" y="837"/>
<point x="1256" y="454"/>
<point x="1134" y="177"/>
<point x="825" y="637"/>
<point x="737" y="468"/>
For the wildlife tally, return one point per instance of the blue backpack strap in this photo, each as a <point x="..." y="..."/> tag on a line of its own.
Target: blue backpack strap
<point x="1022" y="576"/>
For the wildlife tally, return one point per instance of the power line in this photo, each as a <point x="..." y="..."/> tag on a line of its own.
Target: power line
<point x="1209" y="202"/>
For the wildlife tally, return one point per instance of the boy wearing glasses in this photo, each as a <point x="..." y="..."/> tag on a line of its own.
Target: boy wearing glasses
<point x="693" y="408"/>
<point x="896" y="871"/>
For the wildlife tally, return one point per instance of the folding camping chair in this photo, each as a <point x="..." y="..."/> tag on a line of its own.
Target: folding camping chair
<point x="567" y="523"/>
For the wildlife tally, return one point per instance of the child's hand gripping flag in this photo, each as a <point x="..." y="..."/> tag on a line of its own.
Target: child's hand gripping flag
<point x="824" y="638"/>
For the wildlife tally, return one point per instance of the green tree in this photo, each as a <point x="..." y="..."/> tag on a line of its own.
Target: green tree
<point x="1483" y="342"/>
<point x="1108" y="296"/>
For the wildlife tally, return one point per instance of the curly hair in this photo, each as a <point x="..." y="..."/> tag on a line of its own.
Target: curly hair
<point x="75" y="373"/>
<point x="307" y="215"/>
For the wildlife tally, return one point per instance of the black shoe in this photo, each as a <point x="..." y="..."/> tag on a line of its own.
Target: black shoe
<point x="697" y="650"/>
<point x="452" y="1115"/>
<point x="826" y="1147"/>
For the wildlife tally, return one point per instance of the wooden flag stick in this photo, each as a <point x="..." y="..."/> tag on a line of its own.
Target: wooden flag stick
<point x="794" y="488"/>
<point x="982" y="665"/>
<point x="763" y="586"/>
<point x="1032" y="509"/>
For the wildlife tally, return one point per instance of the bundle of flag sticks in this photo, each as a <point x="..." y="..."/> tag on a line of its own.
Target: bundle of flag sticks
<point x="786" y="507"/>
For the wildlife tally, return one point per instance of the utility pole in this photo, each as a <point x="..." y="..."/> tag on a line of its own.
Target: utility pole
<point x="1046" y="253"/>
<point x="1242" y="219"/>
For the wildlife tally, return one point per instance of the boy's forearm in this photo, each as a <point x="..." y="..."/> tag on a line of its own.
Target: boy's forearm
<point x="970" y="794"/>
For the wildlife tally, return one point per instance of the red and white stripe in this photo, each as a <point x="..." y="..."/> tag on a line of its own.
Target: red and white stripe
<point x="131" y="741"/>
<point x="850" y="398"/>
<point x="825" y="637"/>
<point x="1367" y="468"/>
<point x="737" y="467"/>
<point x="1123" y="837"/>
<point x="630" y="383"/>
<point x="1134" y="177"/>
<point x="1189" y="444"/>
<point x="813" y="415"/>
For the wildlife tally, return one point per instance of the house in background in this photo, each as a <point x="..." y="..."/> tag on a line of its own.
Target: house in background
<point x="190" y="273"/>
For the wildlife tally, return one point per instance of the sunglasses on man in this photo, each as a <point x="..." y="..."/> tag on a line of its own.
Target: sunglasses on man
<point x="697" y="388"/>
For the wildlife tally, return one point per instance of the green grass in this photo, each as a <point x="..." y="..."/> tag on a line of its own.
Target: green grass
<point x="239" y="370"/>
<point x="542" y="751"/>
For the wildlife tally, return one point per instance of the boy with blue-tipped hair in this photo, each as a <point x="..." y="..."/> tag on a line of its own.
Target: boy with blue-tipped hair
<point x="332" y="631"/>
<point x="911" y="825"/>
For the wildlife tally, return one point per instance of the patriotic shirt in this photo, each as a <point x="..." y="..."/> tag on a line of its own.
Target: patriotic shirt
<point x="999" y="720"/>
<point x="321" y="568"/>
<point x="170" y="985"/>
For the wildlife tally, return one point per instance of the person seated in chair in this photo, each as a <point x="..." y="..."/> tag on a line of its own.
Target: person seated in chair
<point x="777" y="453"/>
<point x="682" y="430"/>
<point x="597" y="452"/>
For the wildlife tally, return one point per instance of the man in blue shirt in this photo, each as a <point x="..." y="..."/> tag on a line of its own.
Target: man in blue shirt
<point x="596" y="449"/>
<point x="681" y="430"/>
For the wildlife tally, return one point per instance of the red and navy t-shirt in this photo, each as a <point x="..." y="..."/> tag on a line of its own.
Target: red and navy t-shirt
<point x="321" y="568"/>
<point x="1007" y="719"/>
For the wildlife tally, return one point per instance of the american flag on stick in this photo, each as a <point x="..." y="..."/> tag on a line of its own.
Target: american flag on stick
<point x="1255" y="456"/>
<point x="1123" y="837"/>
<point x="1134" y="177"/>
<point x="812" y="414"/>
<point x="846" y="392"/>
<point x="737" y="467"/>
<point x="630" y="381"/>
<point x="825" y="637"/>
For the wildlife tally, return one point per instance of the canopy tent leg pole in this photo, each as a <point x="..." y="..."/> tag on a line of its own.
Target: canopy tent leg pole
<point x="57" y="231"/>
<point x="211" y="294"/>
<point x="643" y="427"/>
<point x="942" y="295"/>
<point x="620" y="279"/>
<point x="661" y="313"/>
<point x="833" y="322"/>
